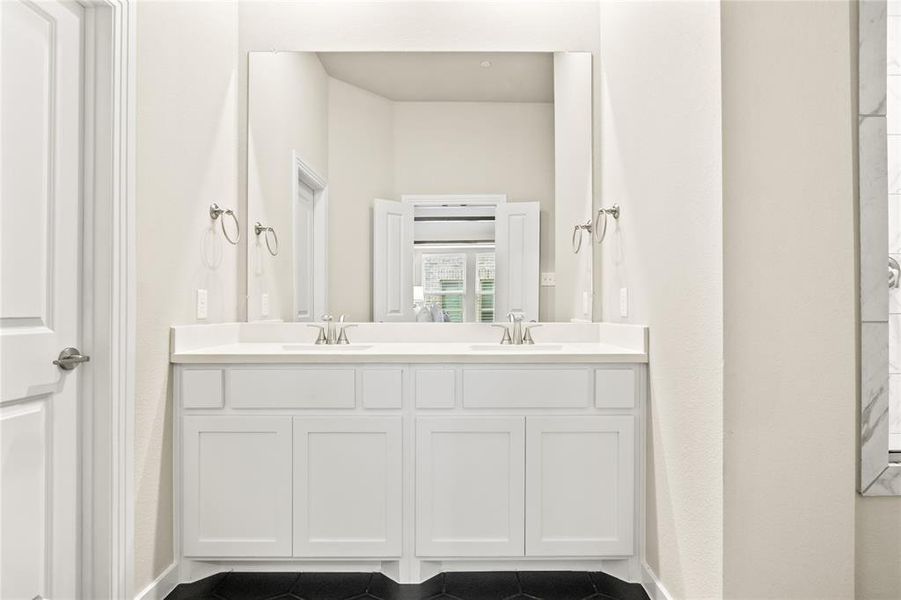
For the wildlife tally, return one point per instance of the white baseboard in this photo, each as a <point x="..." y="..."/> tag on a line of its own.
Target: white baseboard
<point x="652" y="585"/>
<point x="161" y="586"/>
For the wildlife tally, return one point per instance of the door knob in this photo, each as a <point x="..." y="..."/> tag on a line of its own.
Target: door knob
<point x="70" y="358"/>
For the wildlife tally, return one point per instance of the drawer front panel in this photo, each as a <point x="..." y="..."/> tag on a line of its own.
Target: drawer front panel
<point x="383" y="388"/>
<point x="201" y="388"/>
<point x="435" y="388"/>
<point x="615" y="387"/>
<point x="526" y="388"/>
<point x="291" y="388"/>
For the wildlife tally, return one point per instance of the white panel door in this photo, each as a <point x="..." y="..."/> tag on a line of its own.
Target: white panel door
<point x="40" y="296"/>
<point x="236" y="486"/>
<point x="469" y="486"/>
<point x="392" y="261"/>
<point x="348" y="481"/>
<point x="516" y="229"/>
<point x="580" y="474"/>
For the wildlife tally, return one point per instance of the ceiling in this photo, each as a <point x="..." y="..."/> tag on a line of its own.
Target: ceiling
<point x="447" y="76"/>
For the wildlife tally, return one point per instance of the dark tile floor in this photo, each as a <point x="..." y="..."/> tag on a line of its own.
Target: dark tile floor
<point x="496" y="585"/>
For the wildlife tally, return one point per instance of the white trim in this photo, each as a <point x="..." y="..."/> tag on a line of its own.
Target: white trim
<point x="302" y="172"/>
<point x="109" y="292"/>
<point x="162" y="586"/>
<point x="652" y="585"/>
<point x="474" y="199"/>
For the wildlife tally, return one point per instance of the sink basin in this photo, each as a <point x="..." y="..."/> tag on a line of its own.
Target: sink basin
<point x="326" y="347"/>
<point x="516" y="348"/>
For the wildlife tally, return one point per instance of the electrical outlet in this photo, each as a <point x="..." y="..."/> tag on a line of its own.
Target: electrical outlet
<point x="264" y="305"/>
<point x="624" y="302"/>
<point x="548" y="279"/>
<point x="202" y="304"/>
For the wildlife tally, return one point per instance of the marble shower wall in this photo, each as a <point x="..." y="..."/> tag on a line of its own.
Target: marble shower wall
<point x="893" y="139"/>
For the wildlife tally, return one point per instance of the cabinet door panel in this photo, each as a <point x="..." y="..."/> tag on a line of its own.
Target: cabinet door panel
<point x="347" y="486"/>
<point x="237" y="486"/>
<point x="470" y="486"/>
<point x="580" y="474"/>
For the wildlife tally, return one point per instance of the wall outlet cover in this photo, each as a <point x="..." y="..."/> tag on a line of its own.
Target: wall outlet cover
<point x="202" y="304"/>
<point x="264" y="305"/>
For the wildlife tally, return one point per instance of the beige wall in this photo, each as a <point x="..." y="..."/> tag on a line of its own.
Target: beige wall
<point x="361" y="154"/>
<point x="790" y="300"/>
<point x="481" y="147"/>
<point x="661" y="161"/>
<point x="289" y="97"/>
<point x="186" y="159"/>
<point x="878" y="548"/>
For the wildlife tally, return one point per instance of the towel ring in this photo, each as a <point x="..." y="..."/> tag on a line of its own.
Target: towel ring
<point x="258" y="228"/>
<point x="216" y="212"/>
<point x="577" y="235"/>
<point x="601" y="232"/>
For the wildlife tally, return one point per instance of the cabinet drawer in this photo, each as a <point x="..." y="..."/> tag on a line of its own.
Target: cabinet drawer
<point x="435" y="387"/>
<point x="291" y="388"/>
<point x="382" y="387"/>
<point x="615" y="387"/>
<point x="201" y="388"/>
<point x="526" y="388"/>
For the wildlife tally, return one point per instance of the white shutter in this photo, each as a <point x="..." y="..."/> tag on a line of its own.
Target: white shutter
<point x="516" y="259"/>
<point x="392" y="261"/>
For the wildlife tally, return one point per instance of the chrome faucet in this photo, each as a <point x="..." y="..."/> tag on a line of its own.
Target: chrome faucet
<point x="515" y="319"/>
<point x="329" y="334"/>
<point x="516" y="333"/>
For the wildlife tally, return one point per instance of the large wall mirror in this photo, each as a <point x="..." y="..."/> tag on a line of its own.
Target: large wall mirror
<point x="879" y="159"/>
<point x="419" y="186"/>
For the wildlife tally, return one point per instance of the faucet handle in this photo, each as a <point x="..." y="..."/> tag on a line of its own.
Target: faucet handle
<point x="320" y="339"/>
<point x="506" y="339"/>
<point x="527" y="333"/>
<point x="342" y="334"/>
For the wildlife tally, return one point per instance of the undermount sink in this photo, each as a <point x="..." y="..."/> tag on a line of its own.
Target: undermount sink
<point x="326" y="347"/>
<point x="516" y="347"/>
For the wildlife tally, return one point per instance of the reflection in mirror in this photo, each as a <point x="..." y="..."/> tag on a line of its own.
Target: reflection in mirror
<point x="416" y="187"/>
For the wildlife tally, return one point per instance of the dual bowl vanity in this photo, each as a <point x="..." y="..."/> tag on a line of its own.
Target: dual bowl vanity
<point x="414" y="449"/>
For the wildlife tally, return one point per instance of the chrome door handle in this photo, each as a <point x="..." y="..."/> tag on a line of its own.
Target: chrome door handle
<point x="70" y="358"/>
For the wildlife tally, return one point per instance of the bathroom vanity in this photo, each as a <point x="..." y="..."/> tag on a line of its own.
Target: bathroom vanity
<point x="414" y="449"/>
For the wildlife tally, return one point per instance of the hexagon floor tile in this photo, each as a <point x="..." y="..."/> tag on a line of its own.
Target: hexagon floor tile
<point x="495" y="585"/>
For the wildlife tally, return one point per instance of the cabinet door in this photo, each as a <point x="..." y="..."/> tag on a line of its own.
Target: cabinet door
<point x="580" y="474"/>
<point x="469" y="486"/>
<point x="348" y="475"/>
<point x="236" y="484"/>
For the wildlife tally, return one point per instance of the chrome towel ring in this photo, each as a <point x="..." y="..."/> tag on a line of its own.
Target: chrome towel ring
<point x="578" y="233"/>
<point x="216" y="212"/>
<point x="600" y="231"/>
<point x="258" y="228"/>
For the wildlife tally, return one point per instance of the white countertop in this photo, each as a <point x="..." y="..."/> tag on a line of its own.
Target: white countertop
<point x="274" y="343"/>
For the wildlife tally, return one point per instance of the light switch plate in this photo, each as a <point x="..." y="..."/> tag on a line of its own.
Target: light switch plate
<point x="202" y="304"/>
<point x="264" y="305"/>
<point x="624" y="302"/>
<point x="548" y="279"/>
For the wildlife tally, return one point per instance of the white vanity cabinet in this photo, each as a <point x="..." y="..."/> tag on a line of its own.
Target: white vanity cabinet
<point x="580" y="485"/>
<point x="411" y="464"/>
<point x="347" y="486"/>
<point x="236" y="485"/>
<point x="469" y="486"/>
